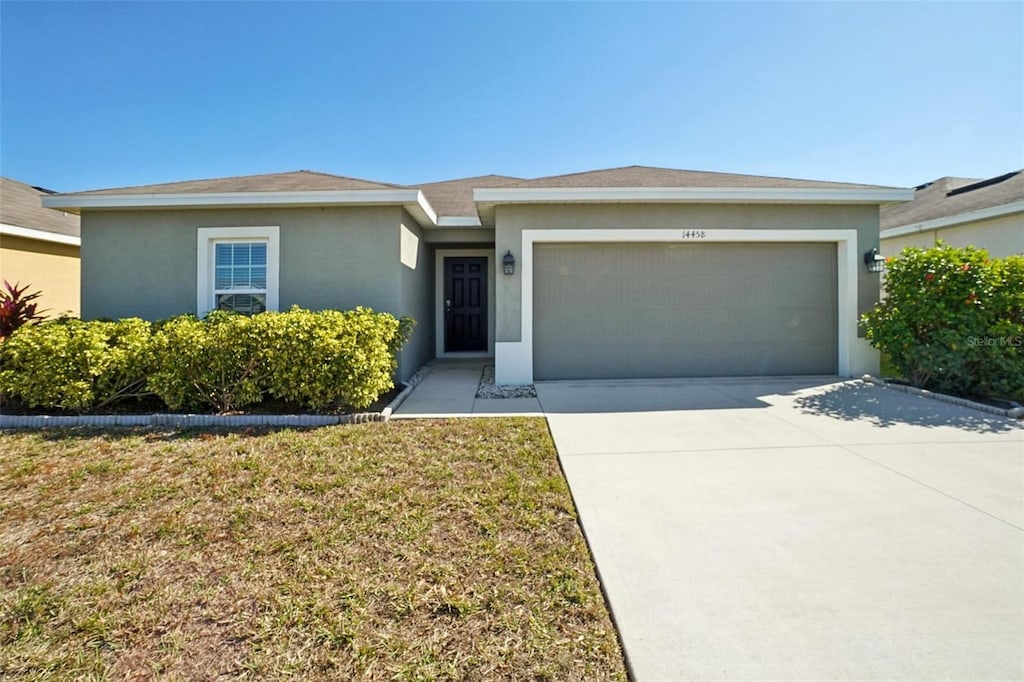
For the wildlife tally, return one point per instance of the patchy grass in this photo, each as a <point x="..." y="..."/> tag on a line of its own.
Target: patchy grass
<point x="411" y="550"/>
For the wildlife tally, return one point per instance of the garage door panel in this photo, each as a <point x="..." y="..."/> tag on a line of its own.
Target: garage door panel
<point x="597" y="323"/>
<point x="661" y="310"/>
<point x="717" y="359"/>
<point x="801" y="290"/>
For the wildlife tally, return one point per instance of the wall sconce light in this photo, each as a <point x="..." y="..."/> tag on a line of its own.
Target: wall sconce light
<point x="874" y="260"/>
<point x="508" y="263"/>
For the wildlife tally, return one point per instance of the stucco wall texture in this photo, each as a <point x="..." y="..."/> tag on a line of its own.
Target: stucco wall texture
<point x="53" y="269"/>
<point x="331" y="257"/>
<point x="1001" y="237"/>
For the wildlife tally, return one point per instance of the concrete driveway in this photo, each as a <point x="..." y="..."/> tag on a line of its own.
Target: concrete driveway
<point x="799" y="528"/>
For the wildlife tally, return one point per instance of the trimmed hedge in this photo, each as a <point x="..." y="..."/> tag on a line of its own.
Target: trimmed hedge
<point x="333" y="358"/>
<point x="319" y="360"/>
<point x="953" y="321"/>
<point x="77" y="366"/>
<point x="212" y="364"/>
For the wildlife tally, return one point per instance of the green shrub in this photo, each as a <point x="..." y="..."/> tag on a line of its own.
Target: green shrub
<point x="331" y="358"/>
<point x="211" y="363"/>
<point x="224" y="362"/>
<point x="950" y="320"/>
<point x="73" y="365"/>
<point x="1002" y="371"/>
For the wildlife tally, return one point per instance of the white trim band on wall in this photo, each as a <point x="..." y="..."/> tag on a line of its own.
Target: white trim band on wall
<point x="514" y="359"/>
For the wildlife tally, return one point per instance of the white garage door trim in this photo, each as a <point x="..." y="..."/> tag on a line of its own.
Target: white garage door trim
<point x="514" y="359"/>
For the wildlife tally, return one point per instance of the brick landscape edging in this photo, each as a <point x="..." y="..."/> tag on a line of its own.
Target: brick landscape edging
<point x="44" y="421"/>
<point x="1013" y="412"/>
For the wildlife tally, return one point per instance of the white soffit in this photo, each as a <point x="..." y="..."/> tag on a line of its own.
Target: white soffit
<point x="458" y="221"/>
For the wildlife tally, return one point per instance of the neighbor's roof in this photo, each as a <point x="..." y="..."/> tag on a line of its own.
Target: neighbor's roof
<point x="950" y="196"/>
<point x="295" y="181"/>
<point x="648" y="176"/>
<point x="20" y="206"/>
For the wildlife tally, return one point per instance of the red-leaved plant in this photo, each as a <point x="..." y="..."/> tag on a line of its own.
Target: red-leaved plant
<point x="18" y="308"/>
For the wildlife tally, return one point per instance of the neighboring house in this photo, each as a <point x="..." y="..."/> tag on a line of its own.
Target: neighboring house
<point x="987" y="214"/>
<point x="39" y="247"/>
<point x="626" y="272"/>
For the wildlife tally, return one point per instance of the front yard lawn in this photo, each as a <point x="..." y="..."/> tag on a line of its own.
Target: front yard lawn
<point x="412" y="550"/>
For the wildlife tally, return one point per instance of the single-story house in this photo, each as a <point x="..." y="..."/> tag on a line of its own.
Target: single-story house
<point x="988" y="214"/>
<point x="626" y="272"/>
<point x="39" y="247"/>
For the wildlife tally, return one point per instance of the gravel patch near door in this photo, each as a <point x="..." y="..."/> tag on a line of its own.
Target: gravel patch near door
<point x="488" y="389"/>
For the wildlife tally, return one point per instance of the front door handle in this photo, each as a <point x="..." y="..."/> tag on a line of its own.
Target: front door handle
<point x="448" y="305"/>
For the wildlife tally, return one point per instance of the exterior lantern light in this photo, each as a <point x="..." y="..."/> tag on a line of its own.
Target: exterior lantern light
<point x="874" y="260"/>
<point x="508" y="263"/>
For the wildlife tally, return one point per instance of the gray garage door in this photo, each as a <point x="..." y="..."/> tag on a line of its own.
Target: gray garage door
<point x="613" y="311"/>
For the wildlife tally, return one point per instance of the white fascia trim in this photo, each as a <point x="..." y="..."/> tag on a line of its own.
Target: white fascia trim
<point x="511" y="195"/>
<point x="414" y="199"/>
<point x="458" y="221"/>
<point x="41" y="235"/>
<point x="950" y="221"/>
<point x="514" y="359"/>
<point x="426" y="211"/>
<point x="204" y="261"/>
<point x="355" y="196"/>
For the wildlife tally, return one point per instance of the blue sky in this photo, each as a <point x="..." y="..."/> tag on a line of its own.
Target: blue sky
<point x="96" y="94"/>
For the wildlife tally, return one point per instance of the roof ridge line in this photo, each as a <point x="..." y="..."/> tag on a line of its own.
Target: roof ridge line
<point x="471" y="177"/>
<point x="981" y="184"/>
<point x="335" y="175"/>
<point x="238" y="177"/>
<point x="690" y="170"/>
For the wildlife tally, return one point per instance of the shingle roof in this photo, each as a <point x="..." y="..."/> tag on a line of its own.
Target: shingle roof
<point x="950" y="196"/>
<point x="648" y="176"/>
<point x="295" y="181"/>
<point x="455" y="197"/>
<point x="20" y="206"/>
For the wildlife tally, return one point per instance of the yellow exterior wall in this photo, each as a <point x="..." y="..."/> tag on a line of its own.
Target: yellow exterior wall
<point x="53" y="269"/>
<point x="1001" y="237"/>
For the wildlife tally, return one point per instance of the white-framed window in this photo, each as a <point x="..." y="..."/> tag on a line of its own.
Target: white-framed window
<point x="237" y="269"/>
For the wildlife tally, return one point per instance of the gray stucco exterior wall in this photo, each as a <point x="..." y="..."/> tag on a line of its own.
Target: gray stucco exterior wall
<point x="340" y="258"/>
<point x="512" y="220"/>
<point x="143" y="263"/>
<point x="137" y="264"/>
<point x="417" y="296"/>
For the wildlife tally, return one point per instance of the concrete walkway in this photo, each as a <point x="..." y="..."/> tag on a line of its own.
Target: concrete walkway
<point x="450" y="391"/>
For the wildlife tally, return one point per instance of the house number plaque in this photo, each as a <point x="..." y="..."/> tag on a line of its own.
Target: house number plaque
<point x="695" y="234"/>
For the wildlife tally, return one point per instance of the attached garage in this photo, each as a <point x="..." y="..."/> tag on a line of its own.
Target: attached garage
<point x="684" y="309"/>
